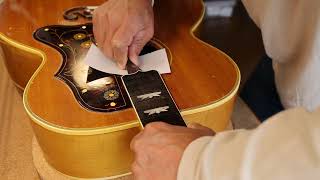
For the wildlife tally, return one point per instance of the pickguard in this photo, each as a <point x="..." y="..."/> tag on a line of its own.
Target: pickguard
<point x="93" y="89"/>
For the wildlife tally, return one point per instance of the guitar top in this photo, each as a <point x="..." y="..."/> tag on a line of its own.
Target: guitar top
<point x="65" y="94"/>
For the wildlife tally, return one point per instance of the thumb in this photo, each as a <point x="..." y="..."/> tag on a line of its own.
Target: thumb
<point x="139" y="41"/>
<point x="200" y="127"/>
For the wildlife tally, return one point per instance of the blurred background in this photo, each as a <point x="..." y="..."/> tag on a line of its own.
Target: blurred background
<point x="228" y="27"/>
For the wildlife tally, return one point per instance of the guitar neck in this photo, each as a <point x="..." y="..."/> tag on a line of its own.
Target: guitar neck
<point x="151" y="98"/>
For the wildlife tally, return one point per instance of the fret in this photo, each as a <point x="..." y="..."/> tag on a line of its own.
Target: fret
<point x="151" y="98"/>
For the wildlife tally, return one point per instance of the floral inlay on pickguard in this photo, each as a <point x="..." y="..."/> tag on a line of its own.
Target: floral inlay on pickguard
<point x="94" y="90"/>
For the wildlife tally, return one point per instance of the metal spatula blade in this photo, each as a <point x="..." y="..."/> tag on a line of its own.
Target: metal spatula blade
<point x="132" y="68"/>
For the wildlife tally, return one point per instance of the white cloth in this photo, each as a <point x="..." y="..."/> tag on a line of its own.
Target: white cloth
<point x="287" y="146"/>
<point x="291" y="35"/>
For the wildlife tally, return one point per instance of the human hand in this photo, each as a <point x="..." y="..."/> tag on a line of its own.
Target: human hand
<point x="122" y="28"/>
<point x="159" y="147"/>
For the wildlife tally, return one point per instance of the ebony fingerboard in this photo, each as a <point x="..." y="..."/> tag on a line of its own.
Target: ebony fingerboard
<point x="151" y="98"/>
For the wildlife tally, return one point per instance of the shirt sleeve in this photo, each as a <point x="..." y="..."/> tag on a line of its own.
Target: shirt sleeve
<point x="286" y="147"/>
<point x="291" y="36"/>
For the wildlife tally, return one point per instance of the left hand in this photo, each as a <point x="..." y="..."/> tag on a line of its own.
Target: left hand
<point x="159" y="147"/>
<point x="122" y="28"/>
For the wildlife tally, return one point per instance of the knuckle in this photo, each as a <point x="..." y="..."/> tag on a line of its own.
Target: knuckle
<point x="121" y="41"/>
<point x="116" y="43"/>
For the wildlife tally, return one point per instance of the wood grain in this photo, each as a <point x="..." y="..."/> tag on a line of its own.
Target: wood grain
<point x="201" y="75"/>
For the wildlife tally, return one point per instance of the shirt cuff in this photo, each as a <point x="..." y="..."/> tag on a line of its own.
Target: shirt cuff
<point x="189" y="163"/>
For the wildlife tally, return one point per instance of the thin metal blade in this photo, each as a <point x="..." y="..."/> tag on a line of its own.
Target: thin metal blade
<point x="132" y="68"/>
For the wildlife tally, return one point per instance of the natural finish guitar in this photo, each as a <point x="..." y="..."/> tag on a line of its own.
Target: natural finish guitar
<point x="82" y="118"/>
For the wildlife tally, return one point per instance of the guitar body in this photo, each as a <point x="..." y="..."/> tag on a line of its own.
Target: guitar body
<point x="82" y="131"/>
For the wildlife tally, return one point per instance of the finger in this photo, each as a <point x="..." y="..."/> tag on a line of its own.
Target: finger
<point x="95" y="24"/>
<point x="111" y="28"/>
<point x="121" y="41"/>
<point x="139" y="41"/>
<point x="147" y="133"/>
<point x="105" y="44"/>
<point x="99" y="26"/>
<point x="120" y="54"/>
<point x="200" y="127"/>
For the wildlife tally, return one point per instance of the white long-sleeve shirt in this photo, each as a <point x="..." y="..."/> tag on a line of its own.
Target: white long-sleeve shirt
<point x="291" y="36"/>
<point x="287" y="146"/>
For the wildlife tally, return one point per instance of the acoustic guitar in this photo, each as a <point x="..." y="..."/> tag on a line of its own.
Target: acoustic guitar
<point x="83" y="118"/>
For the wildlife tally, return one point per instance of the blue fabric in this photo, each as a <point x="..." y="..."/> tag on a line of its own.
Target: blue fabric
<point x="260" y="93"/>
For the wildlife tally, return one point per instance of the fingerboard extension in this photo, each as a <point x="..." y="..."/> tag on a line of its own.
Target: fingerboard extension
<point x="151" y="98"/>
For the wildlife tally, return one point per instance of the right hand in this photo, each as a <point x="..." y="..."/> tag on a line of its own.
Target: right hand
<point x="122" y="28"/>
<point x="159" y="148"/>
